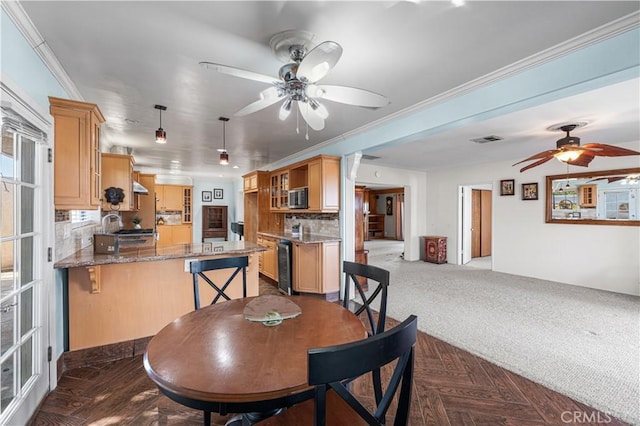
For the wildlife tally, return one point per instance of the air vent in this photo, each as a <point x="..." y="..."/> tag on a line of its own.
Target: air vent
<point x="487" y="139"/>
<point x="369" y="157"/>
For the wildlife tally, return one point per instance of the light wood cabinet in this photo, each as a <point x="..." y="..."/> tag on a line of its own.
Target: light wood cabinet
<point x="587" y="194"/>
<point x="171" y="235"/>
<point x="280" y="190"/>
<point x="324" y="184"/>
<point x="146" y="204"/>
<point x="187" y="215"/>
<point x="268" y="260"/>
<point x="320" y="175"/>
<point x="169" y="198"/>
<point x="316" y="268"/>
<point x="258" y="216"/>
<point x="250" y="182"/>
<point x="117" y="171"/>
<point x="77" y="165"/>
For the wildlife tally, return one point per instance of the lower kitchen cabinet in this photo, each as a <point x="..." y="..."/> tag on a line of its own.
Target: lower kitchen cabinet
<point x="268" y="260"/>
<point x="316" y="268"/>
<point x="171" y="235"/>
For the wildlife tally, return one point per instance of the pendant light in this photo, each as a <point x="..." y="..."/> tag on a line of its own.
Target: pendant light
<point x="224" y="156"/>
<point x="161" y="135"/>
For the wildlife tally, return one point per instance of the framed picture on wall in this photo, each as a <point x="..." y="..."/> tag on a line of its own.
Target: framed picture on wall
<point x="206" y="196"/>
<point x="507" y="187"/>
<point x="217" y="194"/>
<point x="530" y="191"/>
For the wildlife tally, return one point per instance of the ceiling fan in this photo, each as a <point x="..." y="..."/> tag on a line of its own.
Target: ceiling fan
<point x="297" y="80"/>
<point x="568" y="150"/>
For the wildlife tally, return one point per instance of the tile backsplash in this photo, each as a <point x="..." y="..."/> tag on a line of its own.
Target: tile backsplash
<point x="69" y="240"/>
<point x="314" y="223"/>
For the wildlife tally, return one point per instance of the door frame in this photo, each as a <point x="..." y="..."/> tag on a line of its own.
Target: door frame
<point x="464" y="217"/>
<point x="45" y="311"/>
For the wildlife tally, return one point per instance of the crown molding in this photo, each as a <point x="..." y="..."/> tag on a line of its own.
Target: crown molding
<point x="25" y="25"/>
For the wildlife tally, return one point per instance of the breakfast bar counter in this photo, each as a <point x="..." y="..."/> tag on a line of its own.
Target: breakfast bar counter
<point x="132" y="295"/>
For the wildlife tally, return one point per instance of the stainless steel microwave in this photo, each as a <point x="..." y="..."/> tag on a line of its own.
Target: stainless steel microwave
<point x="298" y="198"/>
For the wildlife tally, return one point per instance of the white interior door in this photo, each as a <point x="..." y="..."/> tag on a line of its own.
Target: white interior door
<point x="26" y="273"/>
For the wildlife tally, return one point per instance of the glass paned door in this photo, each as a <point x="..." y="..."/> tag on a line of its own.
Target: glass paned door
<point x="23" y="338"/>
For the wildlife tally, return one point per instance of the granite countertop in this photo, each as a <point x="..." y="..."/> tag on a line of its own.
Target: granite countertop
<point x="304" y="239"/>
<point x="86" y="257"/>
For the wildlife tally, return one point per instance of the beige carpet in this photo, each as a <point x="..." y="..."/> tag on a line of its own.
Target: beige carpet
<point x="581" y="342"/>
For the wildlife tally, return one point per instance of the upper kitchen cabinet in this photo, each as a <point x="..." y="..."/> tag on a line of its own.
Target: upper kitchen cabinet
<point x="250" y="182"/>
<point x="324" y="184"/>
<point x="169" y="198"/>
<point x="117" y="172"/>
<point x="320" y="175"/>
<point x="175" y="198"/>
<point x="77" y="166"/>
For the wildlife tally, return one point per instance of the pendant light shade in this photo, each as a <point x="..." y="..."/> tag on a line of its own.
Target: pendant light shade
<point x="161" y="135"/>
<point x="224" y="155"/>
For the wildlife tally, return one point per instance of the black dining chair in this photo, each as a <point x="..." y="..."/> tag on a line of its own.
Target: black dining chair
<point x="354" y="270"/>
<point x="334" y="404"/>
<point x="199" y="267"/>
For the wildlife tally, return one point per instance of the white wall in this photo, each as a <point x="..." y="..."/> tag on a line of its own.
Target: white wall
<point x="598" y="256"/>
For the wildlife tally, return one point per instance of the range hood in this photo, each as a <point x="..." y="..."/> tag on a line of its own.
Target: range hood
<point x="139" y="189"/>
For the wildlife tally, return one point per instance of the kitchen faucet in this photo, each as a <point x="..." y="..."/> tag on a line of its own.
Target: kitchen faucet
<point x="107" y="216"/>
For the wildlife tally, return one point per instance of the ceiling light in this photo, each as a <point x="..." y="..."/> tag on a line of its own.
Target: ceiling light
<point x="457" y="3"/>
<point x="285" y="109"/>
<point x="236" y="167"/>
<point x="224" y="156"/>
<point x="161" y="135"/>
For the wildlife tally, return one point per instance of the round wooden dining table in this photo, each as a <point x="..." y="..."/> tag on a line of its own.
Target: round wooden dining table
<point x="215" y="360"/>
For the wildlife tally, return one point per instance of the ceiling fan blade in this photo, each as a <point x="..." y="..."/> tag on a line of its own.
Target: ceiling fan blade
<point x="268" y="97"/>
<point x="583" y="160"/>
<point x="537" y="163"/>
<point x="604" y="150"/>
<point x="349" y="95"/>
<point x="237" y="72"/>
<point x="319" y="61"/>
<point x="313" y="119"/>
<point x="544" y="154"/>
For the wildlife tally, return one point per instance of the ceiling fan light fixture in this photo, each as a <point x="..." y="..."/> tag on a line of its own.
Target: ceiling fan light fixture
<point x="224" y="155"/>
<point x="567" y="156"/>
<point x="161" y="135"/>
<point x="319" y="108"/>
<point x="285" y="109"/>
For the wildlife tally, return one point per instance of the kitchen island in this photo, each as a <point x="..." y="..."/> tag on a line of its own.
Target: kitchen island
<point x="117" y="298"/>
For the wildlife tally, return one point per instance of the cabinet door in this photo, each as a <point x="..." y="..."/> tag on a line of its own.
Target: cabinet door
<point x="186" y="204"/>
<point x="117" y="170"/>
<point x="181" y="234"/>
<point x="170" y="197"/>
<point x="270" y="259"/>
<point x="324" y="185"/>
<point x="307" y="264"/>
<point x="165" y="235"/>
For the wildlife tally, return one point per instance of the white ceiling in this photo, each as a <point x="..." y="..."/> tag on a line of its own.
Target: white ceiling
<point x="128" y="56"/>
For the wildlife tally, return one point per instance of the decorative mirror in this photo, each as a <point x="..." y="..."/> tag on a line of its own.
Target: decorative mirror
<point x="609" y="197"/>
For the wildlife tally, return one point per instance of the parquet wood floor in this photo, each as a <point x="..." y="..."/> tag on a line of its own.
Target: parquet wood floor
<point x="451" y="387"/>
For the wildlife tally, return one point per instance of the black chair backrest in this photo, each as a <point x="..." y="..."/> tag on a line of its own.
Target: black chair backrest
<point x="332" y="367"/>
<point x="381" y="276"/>
<point x="197" y="268"/>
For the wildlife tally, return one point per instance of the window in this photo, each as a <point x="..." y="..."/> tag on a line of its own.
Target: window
<point x="83" y="217"/>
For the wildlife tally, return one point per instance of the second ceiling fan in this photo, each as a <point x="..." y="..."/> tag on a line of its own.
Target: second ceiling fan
<point x="296" y="83"/>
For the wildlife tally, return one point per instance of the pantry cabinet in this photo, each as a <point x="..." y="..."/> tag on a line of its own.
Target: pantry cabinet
<point x="77" y="160"/>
